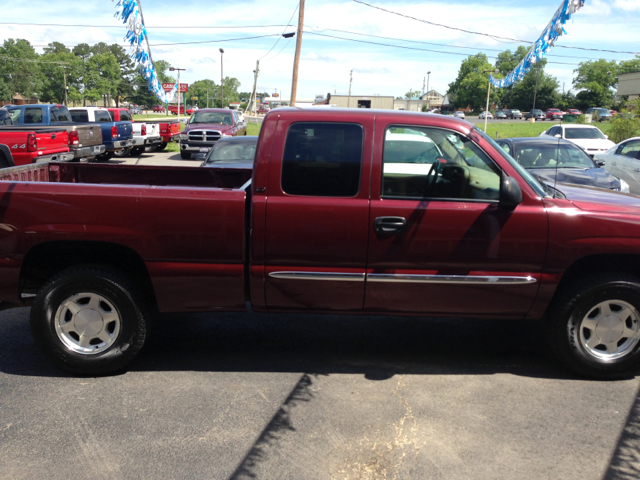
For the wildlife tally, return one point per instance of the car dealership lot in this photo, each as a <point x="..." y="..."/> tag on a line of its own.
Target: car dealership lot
<point x="242" y="395"/>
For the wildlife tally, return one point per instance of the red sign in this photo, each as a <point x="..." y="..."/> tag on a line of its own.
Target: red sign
<point x="167" y="87"/>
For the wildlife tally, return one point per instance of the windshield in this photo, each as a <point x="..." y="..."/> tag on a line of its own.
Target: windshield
<point x="231" y="152"/>
<point x="583" y="133"/>
<point x="211" y="117"/>
<point x="532" y="156"/>
<point x="533" y="183"/>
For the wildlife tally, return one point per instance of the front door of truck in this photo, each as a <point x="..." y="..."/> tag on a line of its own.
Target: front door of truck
<point x="317" y="215"/>
<point x="440" y="242"/>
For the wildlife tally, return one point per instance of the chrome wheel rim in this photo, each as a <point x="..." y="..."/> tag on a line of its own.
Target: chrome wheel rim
<point x="610" y="330"/>
<point x="87" y="323"/>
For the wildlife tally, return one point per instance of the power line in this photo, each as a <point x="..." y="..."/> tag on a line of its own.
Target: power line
<point x="146" y="26"/>
<point x="287" y="26"/>
<point x="495" y="37"/>
<point x="431" y="43"/>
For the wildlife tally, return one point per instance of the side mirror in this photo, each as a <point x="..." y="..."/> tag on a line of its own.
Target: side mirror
<point x="607" y="137"/>
<point x="600" y="163"/>
<point x="510" y="192"/>
<point x="557" y="135"/>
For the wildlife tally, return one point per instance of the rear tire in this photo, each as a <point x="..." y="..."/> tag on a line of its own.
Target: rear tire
<point x="123" y="152"/>
<point x="89" y="320"/>
<point x="594" y="326"/>
<point x="105" y="157"/>
<point x="4" y="163"/>
<point x="185" y="155"/>
<point x="161" y="147"/>
<point x="135" y="151"/>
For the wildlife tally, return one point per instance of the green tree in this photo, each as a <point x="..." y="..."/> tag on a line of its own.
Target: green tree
<point x="470" y="86"/>
<point x="82" y="50"/>
<point x="412" y="94"/>
<point x="20" y="69"/>
<point x="125" y="88"/>
<point x="53" y="62"/>
<point x="203" y="89"/>
<point x="102" y="74"/>
<point x="535" y="83"/>
<point x="596" y="80"/>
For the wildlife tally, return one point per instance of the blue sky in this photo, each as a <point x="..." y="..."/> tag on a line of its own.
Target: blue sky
<point x="326" y="62"/>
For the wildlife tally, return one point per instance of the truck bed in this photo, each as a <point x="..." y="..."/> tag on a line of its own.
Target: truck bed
<point x="157" y="176"/>
<point x="186" y="224"/>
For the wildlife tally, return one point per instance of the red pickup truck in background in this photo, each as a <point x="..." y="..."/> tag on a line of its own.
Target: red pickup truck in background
<point x="20" y="145"/>
<point x="169" y="131"/>
<point x="346" y="211"/>
<point x="174" y="109"/>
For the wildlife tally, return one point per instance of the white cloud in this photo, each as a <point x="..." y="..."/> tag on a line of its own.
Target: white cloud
<point x="627" y="5"/>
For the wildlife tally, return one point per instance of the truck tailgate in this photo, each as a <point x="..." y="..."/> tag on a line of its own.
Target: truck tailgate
<point x="89" y="135"/>
<point x="52" y="141"/>
<point x="125" y="130"/>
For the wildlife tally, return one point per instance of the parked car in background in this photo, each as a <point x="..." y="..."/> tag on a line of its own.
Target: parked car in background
<point x="135" y="110"/>
<point x="263" y="109"/>
<point x="500" y="114"/>
<point x="574" y="111"/>
<point x="85" y="141"/>
<point x="158" y="108"/>
<point x="554" y="114"/>
<point x="560" y="161"/>
<point x="459" y="114"/>
<point x="484" y="115"/>
<point x="116" y="135"/>
<point x="613" y="112"/>
<point x="207" y="126"/>
<point x="603" y="113"/>
<point x="623" y="161"/>
<point x="587" y="137"/>
<point x="513" y="113"/>
<point x="536" y="114"/>
<point x="232" y="152"/>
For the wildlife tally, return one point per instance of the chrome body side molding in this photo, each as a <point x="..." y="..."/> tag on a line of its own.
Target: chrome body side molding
<point x="450" y="279"/>
<point x="333" y="276"/>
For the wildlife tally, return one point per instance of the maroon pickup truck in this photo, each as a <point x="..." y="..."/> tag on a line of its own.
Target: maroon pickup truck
<point x="346" y="211"/>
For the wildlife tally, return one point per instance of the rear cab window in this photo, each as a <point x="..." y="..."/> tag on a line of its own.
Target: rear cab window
<point x="59" y="113"/>
<point x="322" y="159"/>
<point x="125" y="115"/>
<point x="80" y="116"/>
<point x="33" y="115"/>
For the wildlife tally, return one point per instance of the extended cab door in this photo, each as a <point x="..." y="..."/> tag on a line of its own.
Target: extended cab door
<point x="440" y="241"/>
<point x="317" y="212"/>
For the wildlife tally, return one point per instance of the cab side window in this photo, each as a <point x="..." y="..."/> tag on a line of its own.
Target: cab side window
<point x="15" y="115"/>
<point x="421" y="162"/>
<point x="322" y="159"/>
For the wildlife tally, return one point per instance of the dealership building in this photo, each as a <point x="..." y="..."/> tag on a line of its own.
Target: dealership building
<point x="629" y="84"/>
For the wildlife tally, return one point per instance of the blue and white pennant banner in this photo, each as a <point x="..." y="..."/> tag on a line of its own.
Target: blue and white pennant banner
<point x="129" y="12"/>
<point x="548" y="37"/>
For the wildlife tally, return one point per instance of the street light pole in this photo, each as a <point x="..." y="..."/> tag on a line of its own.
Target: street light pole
<point x="350" y="79"/>
<point x="173" y="69"/>
<point x="221" y="80"/>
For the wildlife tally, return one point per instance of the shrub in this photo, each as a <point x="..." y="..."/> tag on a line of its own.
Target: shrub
<point x="581" y="120"/>
<point x="623" y="126"/>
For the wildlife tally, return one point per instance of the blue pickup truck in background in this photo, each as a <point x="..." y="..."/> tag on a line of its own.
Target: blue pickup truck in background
<point x="117" y="136"/>
<point x="85" y="140"/>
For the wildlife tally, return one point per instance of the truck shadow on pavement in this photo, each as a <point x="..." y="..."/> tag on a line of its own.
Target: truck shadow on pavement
<point x="377" y="347"/>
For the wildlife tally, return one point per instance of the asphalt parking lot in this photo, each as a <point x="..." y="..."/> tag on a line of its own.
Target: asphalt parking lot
<point x="249" y="396"/>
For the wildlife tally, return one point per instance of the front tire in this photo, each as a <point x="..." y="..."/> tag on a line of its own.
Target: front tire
<point x="594" y="327"/>
<point x="89" y="320"/>
<point x="185" y="155"/>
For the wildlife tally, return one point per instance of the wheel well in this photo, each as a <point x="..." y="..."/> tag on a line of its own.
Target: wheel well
<point x="47" y="259"/>
<point x="602" y="263"/>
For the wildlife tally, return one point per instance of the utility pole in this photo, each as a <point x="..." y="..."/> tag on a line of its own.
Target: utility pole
<point x="221" y="80"/>
<point x="488" y="94"/>
<point x="173" y="69"/>
<point x="252" y="99"/>
<point x="296" y="58"/>
<point x="207" y="98"/>
<point x="64" y="74"/>
<point x="423" y="80"/>
<point x="350" y="79"/>
<point x="428" y="100"/>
